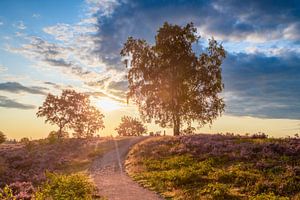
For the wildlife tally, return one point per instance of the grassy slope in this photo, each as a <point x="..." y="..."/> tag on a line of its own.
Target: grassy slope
<point x="28" y="162"/>
<point x="218" y="167"/>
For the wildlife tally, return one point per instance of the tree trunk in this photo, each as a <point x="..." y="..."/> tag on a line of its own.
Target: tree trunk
<point x="176" y="125"/>
<point x="60" y="135"/>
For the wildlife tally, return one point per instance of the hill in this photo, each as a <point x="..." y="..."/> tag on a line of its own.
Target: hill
<point x="218" y="167"/>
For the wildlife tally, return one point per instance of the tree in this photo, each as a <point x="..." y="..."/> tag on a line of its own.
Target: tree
<point x="188" y="131"/>
<point x="68" y="110"/>
<point x="2" y="137"/>
<point x="89" y="122"/>
<point x="130" y="127"/>
<point x="24" y="140"/>
<point x="169" y="82"/>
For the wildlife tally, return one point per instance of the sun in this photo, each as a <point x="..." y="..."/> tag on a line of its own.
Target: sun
<point x="107" y="104"/>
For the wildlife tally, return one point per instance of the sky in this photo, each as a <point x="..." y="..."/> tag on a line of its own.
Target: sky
<point x="48" y="46"/>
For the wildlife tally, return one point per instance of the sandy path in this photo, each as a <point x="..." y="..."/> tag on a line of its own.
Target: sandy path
<point x="111" y="179"/>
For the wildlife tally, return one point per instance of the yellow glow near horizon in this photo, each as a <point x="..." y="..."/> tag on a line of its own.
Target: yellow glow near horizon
<point x="107" y="104"/>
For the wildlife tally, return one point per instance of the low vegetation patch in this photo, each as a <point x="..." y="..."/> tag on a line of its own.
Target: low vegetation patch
<point x="23" y="165"/>
<point x="218" y="167"/>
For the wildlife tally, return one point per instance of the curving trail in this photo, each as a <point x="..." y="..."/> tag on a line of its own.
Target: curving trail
<point x="111" y="179"/>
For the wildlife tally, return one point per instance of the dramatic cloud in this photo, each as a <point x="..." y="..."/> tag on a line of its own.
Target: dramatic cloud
<point x="263" y="86"/>
<point x="53" y="55"/>
<point x="17" y="88"/>
<point x="9" y="103"/>
<point x="2" y="68"/>
<point x="119" y="85"/>
<point x="226" y="20"/>
<point x="262" y="79"/>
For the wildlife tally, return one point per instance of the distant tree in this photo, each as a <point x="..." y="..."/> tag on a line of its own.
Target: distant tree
<point x="88" y="123"/>
<point x="169" y="82"/>
<point x="130" y="127"/>
<point x="188" y="131"/>
<point x="24" y="140"/>
<point x="2" y="137"/>
<point x="68" y="110"/>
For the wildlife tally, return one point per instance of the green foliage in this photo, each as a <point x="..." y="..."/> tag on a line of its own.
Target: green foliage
<point x="71" y="110"/>
<point x="130" y="127"/>
<point x="2" y="137"/>
<point x="268" y="196"/>
<point x="169" y="82"/>
<point x="218" y="167"/>
<point x="217" y="191"/>
<point x="88" y="122"/>
<point x="7" y="193"/>
<point x="67" y="187"/>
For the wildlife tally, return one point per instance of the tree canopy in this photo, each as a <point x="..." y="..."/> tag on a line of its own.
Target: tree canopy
<point x="88" y="122"/>
<point x="2" y="137"/>
<point x="169" y="82"/>
<point x="130" y="127"/>
<point x="71" y="110"/>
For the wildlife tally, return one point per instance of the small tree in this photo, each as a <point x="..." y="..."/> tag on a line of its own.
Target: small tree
<point x="188" y="131"/>
<point x="88" y="123"/>
<point x="2" y="137"/>
<point x="24" y="140"/>
<point x="70" y="110"/>
<point x="130" y="127"/>
<point x="170" y="83"/>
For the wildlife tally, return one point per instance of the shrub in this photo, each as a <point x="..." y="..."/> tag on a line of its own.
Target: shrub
<point x="269" y="196"/>
<point x="17" y="191"/>
<point x="25" y="140"/>
<point x="54" y="136"/>
<point x="217" y="191"/>
<point x="67" y="187"/>
<point x="6" y="193"/>
<point x="188" y="131"/>
<point x="259" y="135"/>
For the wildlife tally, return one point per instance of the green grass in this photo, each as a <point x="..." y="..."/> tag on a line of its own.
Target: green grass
<point x="187" y="175"/>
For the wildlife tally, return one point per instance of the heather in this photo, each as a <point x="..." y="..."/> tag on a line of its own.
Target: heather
<point x="218" y="167"/>
<point x="24" y="166"/>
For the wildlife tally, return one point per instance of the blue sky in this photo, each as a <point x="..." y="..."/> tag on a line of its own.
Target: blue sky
<point x="46" y="46"/>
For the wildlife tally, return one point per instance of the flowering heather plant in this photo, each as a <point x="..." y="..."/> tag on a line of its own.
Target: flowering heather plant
<point x="19" y="163"/>
<point x="18" y="191"/>
<point x="218" y="166"/>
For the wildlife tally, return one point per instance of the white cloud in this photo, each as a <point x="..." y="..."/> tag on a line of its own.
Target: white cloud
<point x="6" y="37"/>
<point x="2" y="68"/>
<point x="102" y="7"/>
<point x="74" y="51"/>
<point x="20" y="25"/>
<point x="35" y="15"/>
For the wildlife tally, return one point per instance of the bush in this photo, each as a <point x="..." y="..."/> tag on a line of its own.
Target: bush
<point x="188" y="131"/>
<point x="17" y="190"/>
<point x="269" y="196"/>
<point x="217" y="191"/>
<point x="2" y="137"/>
<point x="54" y="136"/>
<point x="25" y="140"/>
<point x="67" y="187"/>
<point x="6" y="193"/>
